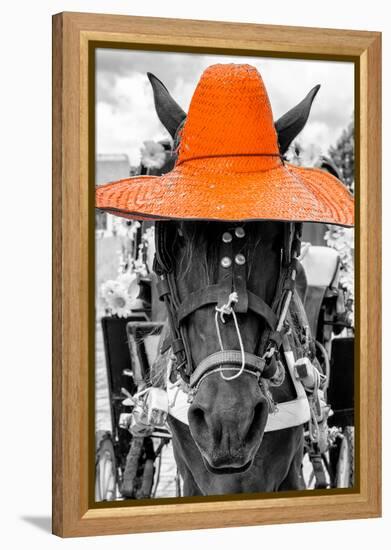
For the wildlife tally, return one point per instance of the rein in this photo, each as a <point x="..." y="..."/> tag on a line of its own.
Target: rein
<point x="231" y="296"/>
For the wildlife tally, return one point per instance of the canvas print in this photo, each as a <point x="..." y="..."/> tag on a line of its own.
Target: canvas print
<point x="224" y="278"/>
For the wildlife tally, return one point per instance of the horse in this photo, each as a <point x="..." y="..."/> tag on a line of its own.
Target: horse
<point x="225" y="446"/>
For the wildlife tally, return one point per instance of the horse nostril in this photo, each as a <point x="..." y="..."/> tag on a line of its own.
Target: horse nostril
<point x="197" y="415"/>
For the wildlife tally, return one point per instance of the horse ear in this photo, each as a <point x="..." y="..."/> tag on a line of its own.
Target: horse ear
<point x="328" y="164"/>
<point x="292" y="123"/>
<point x="169" y="112"/>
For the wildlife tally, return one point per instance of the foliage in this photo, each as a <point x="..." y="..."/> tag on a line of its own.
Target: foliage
<point x="343" y="156"/>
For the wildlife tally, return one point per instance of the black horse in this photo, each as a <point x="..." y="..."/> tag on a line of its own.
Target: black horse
<point x="225" y="448"/>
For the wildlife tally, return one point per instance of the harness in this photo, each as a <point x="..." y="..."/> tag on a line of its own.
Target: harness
<point x="231" y="297"/>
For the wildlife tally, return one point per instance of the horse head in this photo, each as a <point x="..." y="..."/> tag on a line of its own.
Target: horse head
<point x="224" y="333"/>
<point x="228" y="412"/>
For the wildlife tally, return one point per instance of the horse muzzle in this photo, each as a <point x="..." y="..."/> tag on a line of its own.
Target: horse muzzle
<point x="227" y="419"/>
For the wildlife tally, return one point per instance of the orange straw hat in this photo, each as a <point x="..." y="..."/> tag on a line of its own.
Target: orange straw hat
<point x="229" y="165"/>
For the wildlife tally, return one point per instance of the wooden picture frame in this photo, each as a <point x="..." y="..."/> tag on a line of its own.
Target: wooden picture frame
<point x="74" y="37"/>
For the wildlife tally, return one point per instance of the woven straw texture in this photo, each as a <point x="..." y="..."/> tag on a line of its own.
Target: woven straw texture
<point x="229" y="166"/>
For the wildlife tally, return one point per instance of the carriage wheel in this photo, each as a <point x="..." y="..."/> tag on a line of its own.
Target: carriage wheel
<point x="105" y="468"/>
<point x="344" y="476"/>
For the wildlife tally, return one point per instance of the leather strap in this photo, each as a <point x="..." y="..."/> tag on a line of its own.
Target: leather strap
<point x="196" y="300"/>
<point x="239" y="272"/>
<point x="320" y="476"/>
<point x="163" y="288"/>
<point x="177" y="345"/>
<point x="163" y="256"/>
<point x="231" y="277"/>
<point x="259" y="306"/>
<point x="226" y="357"/>
<point x="210" y="295"/>
<point x="225" y="274"/>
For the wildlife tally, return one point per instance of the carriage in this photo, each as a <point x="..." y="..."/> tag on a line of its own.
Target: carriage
<point x="129" y="455"/>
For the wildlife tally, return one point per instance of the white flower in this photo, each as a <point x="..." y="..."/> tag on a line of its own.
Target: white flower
<point x="132" y="230"/>
<point x="108" y="288"/>
<point x="126" y="278"/>
<point x="140" y="267"/>
<point x="119" y="302"/>
<point x="153" y="155"/>
<point x="129" y="282"/>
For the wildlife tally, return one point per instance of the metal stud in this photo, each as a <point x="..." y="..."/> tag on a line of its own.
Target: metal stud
<point x="226" y="261"/>
<point x="240" y="259"/>
<point x="240" y="232"/>
<point x="227" y="237"/>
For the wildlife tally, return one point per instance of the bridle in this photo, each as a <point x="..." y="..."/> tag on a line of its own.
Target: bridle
<point x="231" y="296"/>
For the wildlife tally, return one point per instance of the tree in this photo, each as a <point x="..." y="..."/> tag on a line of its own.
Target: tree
<point x="343" y="156"/>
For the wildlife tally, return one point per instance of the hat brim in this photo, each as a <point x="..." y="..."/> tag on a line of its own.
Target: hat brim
<point x="284" y="193"/>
